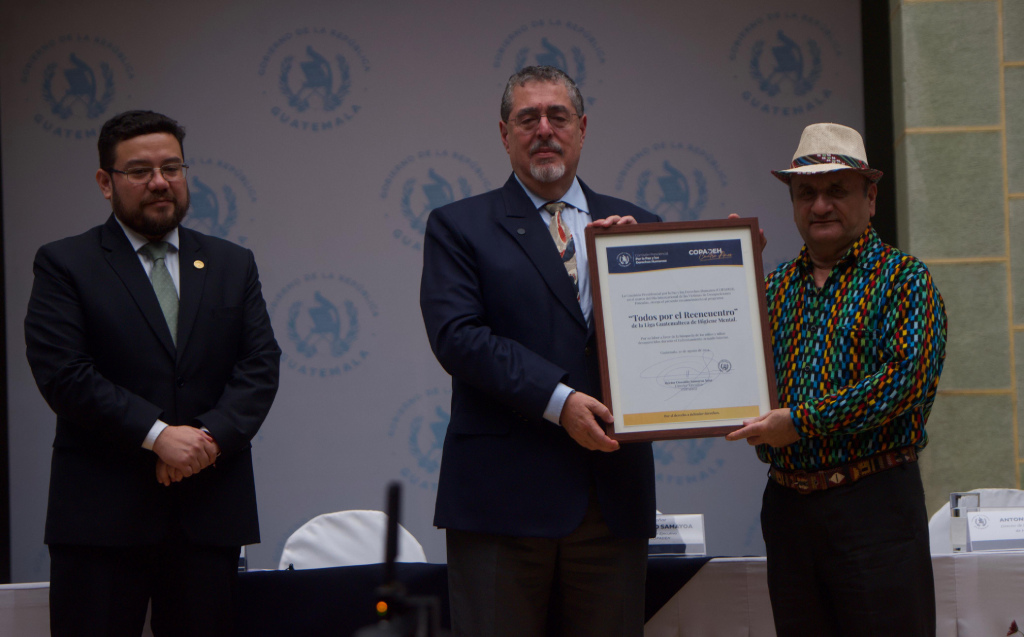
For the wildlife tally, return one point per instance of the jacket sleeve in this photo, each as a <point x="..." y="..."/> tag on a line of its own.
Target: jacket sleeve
<point x="58" y="354"/>
<point x="456" y="319"/>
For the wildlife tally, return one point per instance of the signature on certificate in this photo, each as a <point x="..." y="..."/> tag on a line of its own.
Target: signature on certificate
<point x="687" y="373"/>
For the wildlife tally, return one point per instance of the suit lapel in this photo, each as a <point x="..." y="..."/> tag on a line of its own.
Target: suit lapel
<point x="597" y="211"/>
<point x="523" y="223"/>
<point x="125" y="263"/>
<point x="192" y="268"/>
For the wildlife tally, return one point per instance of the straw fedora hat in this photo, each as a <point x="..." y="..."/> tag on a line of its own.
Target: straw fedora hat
<point x="825" y="148"/>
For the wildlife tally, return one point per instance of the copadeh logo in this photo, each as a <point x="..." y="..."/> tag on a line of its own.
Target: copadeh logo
<point x="222" y="200"/>
<point x="422" y="182"/>
<point x="675" y="180"/>
<point x="327" y="323"/>
<point x="683" y="462"/>
<point x="552" y="42"/>
<point x="417" y="436"/>
<point x="313" y="78"/>
<point x="786" y="63"/>
<point x="77" y="82"/>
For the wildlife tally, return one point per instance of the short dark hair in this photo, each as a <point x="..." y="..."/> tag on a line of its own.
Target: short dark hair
<point x="131" y="124"/>
<point x="540" y="74"/>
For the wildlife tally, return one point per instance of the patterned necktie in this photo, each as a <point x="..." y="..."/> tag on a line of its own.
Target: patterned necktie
<point x="563" y="241"/>
<point x="163" y="285"/>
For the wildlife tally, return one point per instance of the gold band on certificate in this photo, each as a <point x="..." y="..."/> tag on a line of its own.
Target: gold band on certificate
<point x="697" y="415"/>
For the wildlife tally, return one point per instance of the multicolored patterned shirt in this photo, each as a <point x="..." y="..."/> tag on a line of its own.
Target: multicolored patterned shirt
<point x="858" y="360"/>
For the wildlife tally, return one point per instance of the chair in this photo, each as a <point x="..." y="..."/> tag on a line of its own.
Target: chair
<point x="938" y="525"/>
<point x="346" y="538"/>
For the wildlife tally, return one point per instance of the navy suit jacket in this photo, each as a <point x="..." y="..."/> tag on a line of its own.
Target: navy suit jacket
<point x="503" y="319"/>
<point x="102" y="356"/>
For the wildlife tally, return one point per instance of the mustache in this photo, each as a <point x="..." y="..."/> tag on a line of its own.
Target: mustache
<point x="542" y="144"/>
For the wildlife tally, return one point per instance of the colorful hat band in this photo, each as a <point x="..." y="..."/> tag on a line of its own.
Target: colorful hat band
<point x="828" y="158"/>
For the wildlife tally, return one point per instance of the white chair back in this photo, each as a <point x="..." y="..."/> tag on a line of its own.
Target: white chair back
<point x="346" y="538"/>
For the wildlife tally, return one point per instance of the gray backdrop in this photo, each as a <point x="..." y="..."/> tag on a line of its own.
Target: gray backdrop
<point x="321" y="133"/>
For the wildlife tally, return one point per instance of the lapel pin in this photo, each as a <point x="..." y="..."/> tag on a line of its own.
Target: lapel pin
<point x="198" y="264"/>
<point x="521" y="230"/>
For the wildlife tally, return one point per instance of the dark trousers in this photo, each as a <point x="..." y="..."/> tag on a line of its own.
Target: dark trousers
<point x="98" y="591"/>
<point x="853" y="560"/>
<point x="588" y="584"/>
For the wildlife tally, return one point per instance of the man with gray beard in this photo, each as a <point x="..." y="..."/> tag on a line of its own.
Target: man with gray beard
<point x="152" y="344"/>
<point x="546" y="517"/>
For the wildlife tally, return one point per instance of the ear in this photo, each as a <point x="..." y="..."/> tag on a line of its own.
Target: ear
<point x="106" y="184"/>
<point x="872" y="196"/>
<point x="503" y="127"/>
<point x="583" y="129"/>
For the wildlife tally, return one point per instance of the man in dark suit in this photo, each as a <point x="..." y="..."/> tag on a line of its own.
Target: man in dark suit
<point x="547" y="518"/>
<point x="152" y="344"/>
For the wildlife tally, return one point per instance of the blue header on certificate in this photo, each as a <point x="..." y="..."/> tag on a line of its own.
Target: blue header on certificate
<point x="665" y="256"/>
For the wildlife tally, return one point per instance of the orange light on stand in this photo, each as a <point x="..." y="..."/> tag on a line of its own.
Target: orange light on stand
<point x="382" y="608"/>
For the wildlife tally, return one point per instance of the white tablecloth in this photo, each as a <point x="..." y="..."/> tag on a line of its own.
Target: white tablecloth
<point x="976" y="594"/>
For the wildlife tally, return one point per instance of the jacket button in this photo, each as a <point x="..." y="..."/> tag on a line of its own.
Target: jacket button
<point x="181" y="382"/>
<point x="587" y="351"/>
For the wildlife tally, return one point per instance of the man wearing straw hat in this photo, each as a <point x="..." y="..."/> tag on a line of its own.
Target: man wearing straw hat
<point x="859" y="335"/>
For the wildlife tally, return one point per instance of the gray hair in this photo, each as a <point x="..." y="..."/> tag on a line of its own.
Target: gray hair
<point x="540" y="74"/>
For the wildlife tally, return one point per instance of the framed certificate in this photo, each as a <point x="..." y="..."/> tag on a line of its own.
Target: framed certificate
<point x="682" y="327"/>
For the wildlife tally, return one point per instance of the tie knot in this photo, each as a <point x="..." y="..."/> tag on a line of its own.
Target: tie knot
<point x="554" y="207"/>
<point x="155" y="250"/>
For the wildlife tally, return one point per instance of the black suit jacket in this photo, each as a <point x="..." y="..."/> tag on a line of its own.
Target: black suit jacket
<point x="502" y="317"/>
<point x="102" y="356"/>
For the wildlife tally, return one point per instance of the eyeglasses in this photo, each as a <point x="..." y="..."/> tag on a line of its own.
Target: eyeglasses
<point x="139" y="176"/>
<point x="529" y="122"/>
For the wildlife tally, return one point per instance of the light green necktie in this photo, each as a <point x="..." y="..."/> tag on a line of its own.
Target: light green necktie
<point x="163" y="285"/>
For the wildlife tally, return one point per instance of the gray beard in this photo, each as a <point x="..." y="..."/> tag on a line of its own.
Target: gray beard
<point x="547" y="173"/>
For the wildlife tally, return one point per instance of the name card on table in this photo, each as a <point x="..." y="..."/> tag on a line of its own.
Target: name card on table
<point x="679" y="535"/>
<point x="996" y="529"/>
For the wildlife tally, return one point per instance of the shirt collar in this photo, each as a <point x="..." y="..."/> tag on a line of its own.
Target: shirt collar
<point x="574" y="196"/>
<point x="865" y="251"/>
<point x="137" y="240"/>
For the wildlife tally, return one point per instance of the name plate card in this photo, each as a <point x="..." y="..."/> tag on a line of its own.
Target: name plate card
<point x="996" y="529"/>
<point x="679" y="535"/>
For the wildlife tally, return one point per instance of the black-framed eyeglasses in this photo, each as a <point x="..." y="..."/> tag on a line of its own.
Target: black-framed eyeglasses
<point x="139" y="176"/>
<point x="529" y="121"/>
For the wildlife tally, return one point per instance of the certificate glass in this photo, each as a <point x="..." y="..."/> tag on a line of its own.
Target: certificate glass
<point x="681" y="321"/>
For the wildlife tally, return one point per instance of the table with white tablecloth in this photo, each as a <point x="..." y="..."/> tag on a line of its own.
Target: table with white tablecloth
<point x="976" y="594"/>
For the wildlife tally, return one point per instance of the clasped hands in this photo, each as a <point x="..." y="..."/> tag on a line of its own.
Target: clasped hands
<point x="182" y="452"/>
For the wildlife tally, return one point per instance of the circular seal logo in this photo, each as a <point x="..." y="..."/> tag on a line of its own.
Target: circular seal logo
<point x="562" y="44"/>
<point x="980" y="521"/>
<point x="724" y="366"/>
<point x="624" y="259"/>
<point x="313" y="78"/>
<point x="326" y="319"/>
<point x="786" y="63"/>
<point x="675" y="180"/>
<point x="77" y="81"/>
<point x="422" y="182"/>
<point x="215" y="187"/>
<point x="682" y="462"/>
<point x="417" y="436"/>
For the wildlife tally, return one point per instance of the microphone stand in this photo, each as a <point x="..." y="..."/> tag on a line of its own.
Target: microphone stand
<point x="400" y="614"/>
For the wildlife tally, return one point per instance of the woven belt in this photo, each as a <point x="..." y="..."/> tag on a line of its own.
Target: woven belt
<point x="808" y="481"/>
